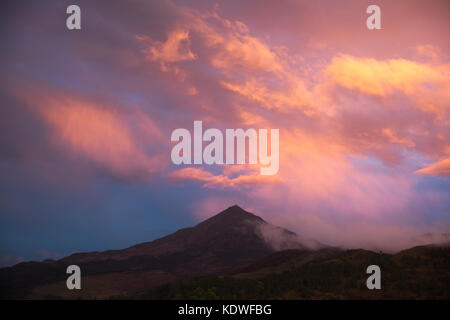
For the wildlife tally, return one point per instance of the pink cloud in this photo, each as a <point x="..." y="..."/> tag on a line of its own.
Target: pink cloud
<point x="213" y="181"/>
<point x="439" y="168"/>
<point x="381" y="78"/>
<point x="102" y="134"/>
<point x="176" y="48"/>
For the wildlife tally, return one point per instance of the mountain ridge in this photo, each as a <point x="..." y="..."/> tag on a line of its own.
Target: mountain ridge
<point x="231" y="239"/>
<point x="233" y="220"/>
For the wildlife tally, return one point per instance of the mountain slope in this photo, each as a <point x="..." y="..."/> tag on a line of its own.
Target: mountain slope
<point x="229" y="240"/>
<point x="418" y="273"/>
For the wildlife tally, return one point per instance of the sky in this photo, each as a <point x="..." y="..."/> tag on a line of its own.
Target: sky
<point x="87" y="116"/>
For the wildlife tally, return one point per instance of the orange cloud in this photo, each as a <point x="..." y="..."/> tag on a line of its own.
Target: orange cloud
<point x="429" y="51"/>
<point x="427" y="85"/>
<point x="273" y="78"/>
<point x="248" y="52"/>
<point x="383" y="77"/>
<point x="229" y="47"/>
<point x="101" y="134"/>
<point x="233" y="46"/>
<point x="176" y="48"/>
<point x="393" y="138"/>
<point x="295" y="98"/>
<point x="439" y="168"/>
<point x="211" y="180"/>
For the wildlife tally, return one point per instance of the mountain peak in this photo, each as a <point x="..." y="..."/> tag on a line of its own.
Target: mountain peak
<point x="236" y="210"/>
<point x="232" y="215"/>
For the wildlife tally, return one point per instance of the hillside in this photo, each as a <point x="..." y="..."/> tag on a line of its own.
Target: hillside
<point x="418" y="273"/>
<point x="229" y="240"/>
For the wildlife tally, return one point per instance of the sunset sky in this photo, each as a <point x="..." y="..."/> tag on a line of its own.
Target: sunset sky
<point x="87" y="115"/>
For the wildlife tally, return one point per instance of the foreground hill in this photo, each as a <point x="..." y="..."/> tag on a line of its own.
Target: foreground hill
<point x="229" y="240"/>
<point x="418" y="273"/>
